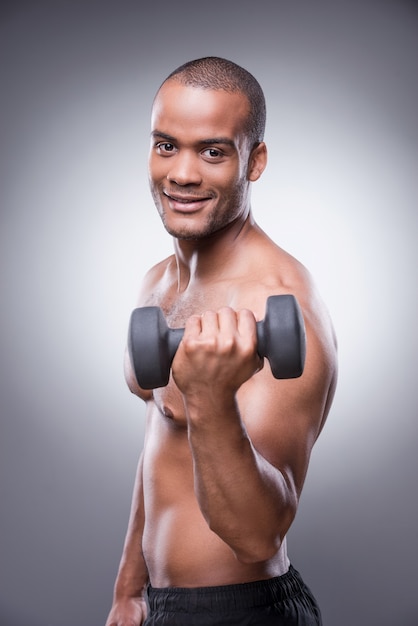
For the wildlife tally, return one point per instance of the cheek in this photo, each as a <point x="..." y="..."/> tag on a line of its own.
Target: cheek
<point x="225" y="179"/>
<point x="156" y="168"/>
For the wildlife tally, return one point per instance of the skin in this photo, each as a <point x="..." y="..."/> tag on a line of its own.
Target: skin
<point x="227" y="446"/>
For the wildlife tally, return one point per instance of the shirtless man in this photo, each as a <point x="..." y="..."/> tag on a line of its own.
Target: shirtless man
<point x="227" y="446"/>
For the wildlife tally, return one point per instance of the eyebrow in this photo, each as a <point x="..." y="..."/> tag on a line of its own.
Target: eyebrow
<point x="209" y="142"/>
<point x="157" y="133"/>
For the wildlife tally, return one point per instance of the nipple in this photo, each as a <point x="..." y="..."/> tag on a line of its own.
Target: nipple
<point x="167" y="412"/>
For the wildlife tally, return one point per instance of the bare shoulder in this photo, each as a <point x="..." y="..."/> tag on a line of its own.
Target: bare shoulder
<point x="317" y="319"/>
<point x="155" y="282"/>
<point x="267" y="269"/>
<point x="275" y="271"/>
<point x="152" y="286"/>
<point x="293" y="277"/>
<point x="285" y="417"/>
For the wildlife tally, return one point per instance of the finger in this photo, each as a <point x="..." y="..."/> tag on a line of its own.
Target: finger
<point x="209" y="324"/>
<point x="227" y="320"/>
<point x="247" y="327"/>
<point x="246" y="324"/>
<point x="193" y="326"/>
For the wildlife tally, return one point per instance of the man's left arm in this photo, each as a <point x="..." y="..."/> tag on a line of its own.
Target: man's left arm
<point x="250" y="435"/>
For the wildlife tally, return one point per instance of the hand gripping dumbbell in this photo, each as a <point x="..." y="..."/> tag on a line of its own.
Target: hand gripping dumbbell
<point x="280" y="339"/>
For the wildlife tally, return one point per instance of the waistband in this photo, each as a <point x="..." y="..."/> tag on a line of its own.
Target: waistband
<point x="226" y="597"/>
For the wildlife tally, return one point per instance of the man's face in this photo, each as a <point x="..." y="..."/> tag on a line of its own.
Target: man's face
<point x="198" y="162"/>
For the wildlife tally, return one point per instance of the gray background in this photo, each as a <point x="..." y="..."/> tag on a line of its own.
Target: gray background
<point x="78" y="230"/>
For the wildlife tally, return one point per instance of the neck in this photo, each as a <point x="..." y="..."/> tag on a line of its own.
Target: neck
<point x="212" y="258"/>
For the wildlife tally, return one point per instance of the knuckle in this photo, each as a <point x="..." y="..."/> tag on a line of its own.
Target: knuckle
<point x="227" y="345"/>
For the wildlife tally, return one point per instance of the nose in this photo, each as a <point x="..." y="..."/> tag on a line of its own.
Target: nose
<point x="184" y="169"/>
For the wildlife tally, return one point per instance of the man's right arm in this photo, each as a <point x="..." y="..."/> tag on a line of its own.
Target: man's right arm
<point x="129" y="607"/>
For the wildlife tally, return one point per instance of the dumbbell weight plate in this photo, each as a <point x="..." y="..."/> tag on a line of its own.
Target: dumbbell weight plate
<point x="281" y="336"/>
<point x="152" y="346"/>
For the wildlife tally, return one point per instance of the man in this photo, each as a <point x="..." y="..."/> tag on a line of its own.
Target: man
<point x="227" y="445"/>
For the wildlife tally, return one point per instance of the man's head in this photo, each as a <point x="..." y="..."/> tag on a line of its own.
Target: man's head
<point x="206" y="147"/>
<point x="220" y="74"/>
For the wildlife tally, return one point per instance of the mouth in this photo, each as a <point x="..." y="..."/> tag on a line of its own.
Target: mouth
<point x="186" y="203"/>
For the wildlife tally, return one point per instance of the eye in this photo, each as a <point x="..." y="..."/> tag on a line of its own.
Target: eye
<point x="165" y="148"/>
<point x="212" y="154"/>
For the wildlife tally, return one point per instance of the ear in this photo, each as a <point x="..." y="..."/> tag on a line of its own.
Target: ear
<point x="257" y="162"/>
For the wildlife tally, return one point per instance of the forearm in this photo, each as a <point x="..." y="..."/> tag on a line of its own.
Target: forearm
<point x="132" y="575"/>
<point x="244" y="499"/>
<point x="129" y="602"/>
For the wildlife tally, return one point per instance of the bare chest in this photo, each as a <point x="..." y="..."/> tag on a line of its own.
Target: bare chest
<point x="169" y="403"/>
<point x="177" y="308"/>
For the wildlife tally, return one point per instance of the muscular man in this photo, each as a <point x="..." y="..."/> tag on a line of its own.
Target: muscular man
<point x="227" y="446"/>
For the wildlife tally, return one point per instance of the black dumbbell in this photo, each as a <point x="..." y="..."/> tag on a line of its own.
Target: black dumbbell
<point x="280" y="339"/>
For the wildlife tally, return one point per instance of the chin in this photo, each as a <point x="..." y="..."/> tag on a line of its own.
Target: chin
<point x="188" y="234"/>
<point x="185" y="235"/>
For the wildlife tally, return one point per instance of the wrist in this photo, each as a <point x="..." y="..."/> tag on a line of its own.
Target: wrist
<point x="207" y="402"/>
<point x="123" y="592"/>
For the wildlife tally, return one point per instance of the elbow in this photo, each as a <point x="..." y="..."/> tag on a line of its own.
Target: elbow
<point x="250" y="546"/>
<point x="263" y="546"/>
<point x="258" y="551"/>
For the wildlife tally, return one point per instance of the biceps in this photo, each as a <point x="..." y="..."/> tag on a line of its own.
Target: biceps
<point x="282" y="423"/>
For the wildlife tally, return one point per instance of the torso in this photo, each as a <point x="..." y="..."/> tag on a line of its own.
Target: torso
<point x="178" y="546"/>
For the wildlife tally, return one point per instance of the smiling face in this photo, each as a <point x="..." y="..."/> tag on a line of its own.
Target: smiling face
<point x="200" y="161"/>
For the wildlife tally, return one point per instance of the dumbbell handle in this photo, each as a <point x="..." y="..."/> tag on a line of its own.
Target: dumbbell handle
<point x="175" y="335"/>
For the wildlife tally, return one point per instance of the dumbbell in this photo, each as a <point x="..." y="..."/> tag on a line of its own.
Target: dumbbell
<point x="280" y="339"/>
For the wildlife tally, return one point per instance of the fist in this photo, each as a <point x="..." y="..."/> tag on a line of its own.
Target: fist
<point x="129" y="612"/>
<point x="218" y="351"/>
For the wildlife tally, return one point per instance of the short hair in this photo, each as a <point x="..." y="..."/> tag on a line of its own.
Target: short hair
<point x="221" y="74"/>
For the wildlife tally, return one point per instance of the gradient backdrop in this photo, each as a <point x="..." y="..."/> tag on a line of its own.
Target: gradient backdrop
<point x="78" y="230"/>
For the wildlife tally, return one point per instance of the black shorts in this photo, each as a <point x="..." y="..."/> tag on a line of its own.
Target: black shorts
<point x="281" y="601"/>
